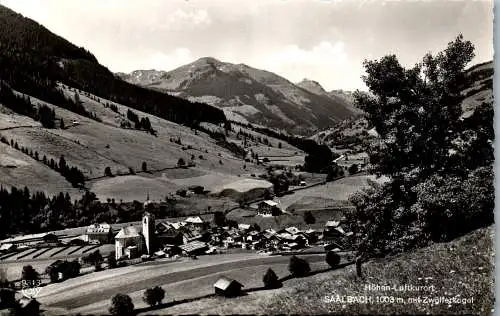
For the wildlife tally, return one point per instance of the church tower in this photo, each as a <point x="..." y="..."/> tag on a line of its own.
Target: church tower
<point x="148" y="231"/>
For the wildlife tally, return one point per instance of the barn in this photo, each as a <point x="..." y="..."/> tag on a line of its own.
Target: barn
<point x="227" y="287"/>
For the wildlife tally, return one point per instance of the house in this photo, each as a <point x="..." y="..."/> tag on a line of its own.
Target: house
<point x="101" y="233"/>
<point x="244" y="227"/>
<point x="268" y="208"/>
<point x="227" y="287"/>
<point x="292" y="230"/>
<point x="4" y="248"/>
<point x="168" y="234"/>
<point x="194" y="248"/>
<point x="195" y="223"/>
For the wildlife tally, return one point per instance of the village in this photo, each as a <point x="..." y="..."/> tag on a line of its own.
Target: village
<point x="191" y="237"/>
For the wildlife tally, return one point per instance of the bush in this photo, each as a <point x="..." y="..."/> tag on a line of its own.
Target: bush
<point x="353" y="169"/>
<point x="107" y="172"/>
<point x="112" y="260"/>
<point x="181" y="163"/>
<point x="271" y="280"/>
<point x="29" y="274"/>
<point x="121" y="305"/>
<point x="298" y="267"/>
<point x="153" y="296"/>
<point x="332" y="258"/>
<point x="309" y="218"/>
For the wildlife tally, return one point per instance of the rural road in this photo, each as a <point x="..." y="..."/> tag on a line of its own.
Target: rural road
<point x="144" y="276"/>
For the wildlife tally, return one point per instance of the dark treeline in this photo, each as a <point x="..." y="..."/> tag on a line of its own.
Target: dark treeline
<point x="33" y="60"/>
<point x="318" y="158"/>
<point x="22" y="105"/>
<point x="24" y="212"/>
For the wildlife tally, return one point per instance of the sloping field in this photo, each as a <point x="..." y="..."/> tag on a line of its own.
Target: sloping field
<point x="130" y="188"/>
<point x="337" y="190"/>
<point x="18" y="169"/>
<point x="92" y="146"/>
<point x="462" y="269"/>
<point x="216" y="182"/>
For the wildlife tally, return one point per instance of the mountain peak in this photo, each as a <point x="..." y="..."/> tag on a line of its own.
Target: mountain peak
<point x="312" y="86"/>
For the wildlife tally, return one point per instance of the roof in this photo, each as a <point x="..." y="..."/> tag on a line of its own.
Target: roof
<point x="244" y="226"/>
<point x="270" y="203"/>
<point x="292" y="230"/>
<point x="194" y="220"/>
<point x="6" y="246"/>
<point x="24" y="238"/>
<point x="332" y="224"/>
<point x="223" y="283"/>
<point x="192" y="246"/>
<point x="99" y="229"/>
<point x="128" y="232"/>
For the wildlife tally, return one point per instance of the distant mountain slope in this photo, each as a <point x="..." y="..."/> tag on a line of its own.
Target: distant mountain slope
<point x="478" y="93"/>
<point x="258" y="96"/>
<point x="33" y="60"/>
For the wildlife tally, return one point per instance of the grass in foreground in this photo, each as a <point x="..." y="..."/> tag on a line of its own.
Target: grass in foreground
<point x="462" y="269"/>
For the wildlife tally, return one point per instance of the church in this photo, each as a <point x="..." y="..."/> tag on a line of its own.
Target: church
<point x="131" y="242"/>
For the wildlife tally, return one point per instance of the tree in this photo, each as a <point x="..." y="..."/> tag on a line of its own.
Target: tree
<point x="353" y="169"/>
<point x="153" y="296"/>
<point x="29" y="274"/>
<point x="332" y="258"/>
<point x="181" y="163"/>
<point x="121" y="305"/>
<point x="219" y="218"/>
<point x="107" y="172"/>
<point x="111" y="258"/>
<point x="309" y="218"/>
<point x="61" y="123"/>
<point x="298" y="267"/>
<point x="271" y="280"/>
<point x="144" y="166"/>
<point x="427" y="150"/>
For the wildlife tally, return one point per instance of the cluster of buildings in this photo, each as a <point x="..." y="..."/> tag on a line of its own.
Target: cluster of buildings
<point x="191" y="236"/>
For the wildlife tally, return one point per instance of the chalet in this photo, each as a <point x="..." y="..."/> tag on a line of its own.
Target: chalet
<point x="244" y="227"/>
<point x="195" y="223"/>
<point x="227" y="287"/>
<point x="194" y="248"/>
<point x="101" y="233"/>
<point x="168" y="234"/>
<point x="268" y="208"/>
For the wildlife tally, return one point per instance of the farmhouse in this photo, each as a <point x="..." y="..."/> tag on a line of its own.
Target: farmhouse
<point x="227" y="287"/>
<point x="195" y="223"/>
<point x="268" y="208"/>
<point x="101" y="233"/>
<point x="194" y="248"/>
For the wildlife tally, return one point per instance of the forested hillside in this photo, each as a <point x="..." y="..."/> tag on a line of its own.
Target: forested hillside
<point x="33" y="60"/>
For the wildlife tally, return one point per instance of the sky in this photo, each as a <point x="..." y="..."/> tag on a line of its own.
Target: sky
<point x="322" y="40"/>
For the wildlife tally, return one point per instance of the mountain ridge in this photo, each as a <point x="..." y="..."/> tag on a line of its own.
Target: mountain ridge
<point x="254" y="95"/>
